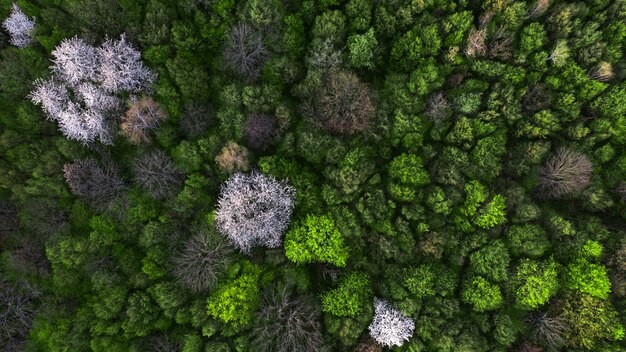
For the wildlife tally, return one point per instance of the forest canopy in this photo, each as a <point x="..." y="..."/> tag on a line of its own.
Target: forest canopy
<point x="312" y="175"/>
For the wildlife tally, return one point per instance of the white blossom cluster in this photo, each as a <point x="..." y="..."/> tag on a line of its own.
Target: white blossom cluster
<point x="82" y="93"/>
<point x="20" y="27"/>
<point x="390" y="327"/>
<point x="254" y="210"/>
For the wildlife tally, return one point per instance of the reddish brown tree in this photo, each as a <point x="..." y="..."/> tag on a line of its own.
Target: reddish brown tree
<point x="143" y="117"/>
<point x="233" y="157"/>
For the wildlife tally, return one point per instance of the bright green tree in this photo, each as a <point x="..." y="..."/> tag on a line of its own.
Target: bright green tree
<point x="316" y="239"/>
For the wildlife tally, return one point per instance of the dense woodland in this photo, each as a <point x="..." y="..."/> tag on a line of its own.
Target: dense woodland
<point x="312" y="175"/>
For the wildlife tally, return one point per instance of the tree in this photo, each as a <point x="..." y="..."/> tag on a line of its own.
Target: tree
<point x="75" y="61"/>
<point x="233" y="157"/>
<point x="143" y="117"/>
<point x="342" y="105"/>
<point x="195" y="119"/>
<point x="260" y="130"/>
<point x="98" y="184"/>
<point x="588" y="278"/>
<point x="535" y="283"/>
<point x="590" y="320"/>
<point x="548" y="330"/>
<point x="120" y="67"/>
<point x="285" y="323"/>
<point x="236" y="300"/>
<point x="20" y="27"/>
<point x="245" y="51"/>
<point x="361" y="48"/>
<point x="491" y="261"/>
<point x="406" y="172"/>
<point x="481" y="294"/>
<point x="201" y="261"/>
<point x="389" y="326"/>
<point x="316" y="239"/>
<point x="566" y="172"/>
<point x="349" y="297"/>
<point x="81" y="94"/>
<point x="254" y="210"/>
<point x="17" y="311"/>
<point x="156" y="173"/>
<point x="527" y="239"/>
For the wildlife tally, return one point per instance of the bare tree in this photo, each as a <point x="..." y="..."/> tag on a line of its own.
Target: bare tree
<point x="389" y="326"/>
<point x="143" y="117"/>
<point x="476" y="42"/>
<point x="501" y="44"/>
<point x="565" y="172"/>
<point x="245" y="51"/>
<point x="195" y="119"/>
<point x="98" y="185"/>
<point x="19" y="27"/>
<point x="233" y="157"/>
<point x="526" y="347"/>
<point x="342" y="105"/>
<point x="560" y="53"/>
<point x="17" y="310"/>
<point x="539" y="8"/>
<point x="156" y="173"/>
<point x="603" y="72"/>
<point x="121" y="68"/>
<point x="161" y="343"/>
<point x="260" y="130"/>
<point x="438" y="107"/>
<point x="287" y="324"/>
<point x="368" y="344"/>
<point x="201" y="261"/>
<point x="254" y="210"/>
<point x="548" y="330"/>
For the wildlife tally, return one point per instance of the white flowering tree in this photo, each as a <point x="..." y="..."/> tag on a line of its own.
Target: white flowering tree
<point x="20" y="27"/>
<point x="389" y="326"/>
<point x="82" y="94"/>
<point x="254" y="210"/>
<point x="121" y="68"/>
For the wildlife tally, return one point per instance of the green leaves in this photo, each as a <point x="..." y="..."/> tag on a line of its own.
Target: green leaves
<point x="361" y="48"/>
<point x="350" y="297"/>
<point x="481" y="294"/>
<point x="234" y="302"/>
<point x="535" y="283"/>
<point x="406" y="172"/>
<point x="316" y="239"/>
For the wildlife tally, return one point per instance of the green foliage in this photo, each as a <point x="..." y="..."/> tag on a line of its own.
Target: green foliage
<point x="589" y="278"/>
<point x="350" y="297"/>
<point x="591" y="320"/>
<point x="235" y="301"/>
<point x="535" y="283"/>
<point x="406" y="172"/>
<point x="491" y="261"/>
<point x="361" y="48"/>
<point x="433" y="206"/>
<point x="316" y="239"/>
<point x="481" y="294"/>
